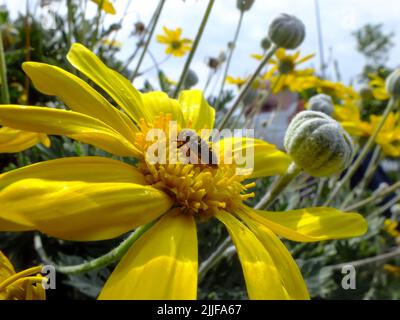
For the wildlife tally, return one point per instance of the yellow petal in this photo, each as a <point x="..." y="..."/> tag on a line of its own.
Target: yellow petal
<point x="161" y="265"/>
<point x="77" y="95"/>
<point x="312" y="224"/>
<point x="106" y="6"/>
<point x="69" y="123"/>
<point x="268" y="160"/>
<point x="12" y="140"/>
<point x="159" y="102"/>
<point x="118" y="87"/>
<point x="291" y="277"/>
<point x="85" y="199"/>
<point x="197" y="112"/>
<point x="260" y="272"/>
<point x="6" y="268"/>
<point x="280" y="53"/>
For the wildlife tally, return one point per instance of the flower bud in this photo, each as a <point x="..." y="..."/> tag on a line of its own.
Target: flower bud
<point x="244" y="5"/>
<point x="213" y="63"/>
<point x="366" y="92"/>
<point x="191" y="79"/>
<point x="321" y="103"/>
<point x="318" y="144"/>
<point x="393" y="84"/>
<point x="287" y="31"/>
<point x="395" y="210"/>
<point x="265" y="43"/>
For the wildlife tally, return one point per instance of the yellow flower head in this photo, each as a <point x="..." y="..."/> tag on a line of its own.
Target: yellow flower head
<point x="97" y="198"/>
<point x="392" y="228"/>
<point x="106" y="6"/>
<point x="176" y="45"/>
<point x="236" y="81"/>
<point x="284" y="71"/>
<point x="378" y="86"/>
<point x="24" y="285"/>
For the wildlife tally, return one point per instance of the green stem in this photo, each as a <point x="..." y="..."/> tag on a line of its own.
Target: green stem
<point x="363" y="262"/>
<point x="283" y="181"/>
<point x="383" y="193"/>
<point x="247" y="86"/>
<point x="194" y="48"/>
<point x="109" y="257"/>
<point x="228" y="61"/>
<point x="321" y="185"/>
<point x="70" y="13"/>
<point x="215" y="258"/>
<point x="97" y="24"/>
<point x="354" y="167"/>
<point x="150" y="36"/>
<point x="5" y="97"/>
<point x="359" y="188"/>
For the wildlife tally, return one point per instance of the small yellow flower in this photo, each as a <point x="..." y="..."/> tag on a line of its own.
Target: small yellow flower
<point x="109" y="198"/>
<point x="176" y="45"/>
<point x="111" y="43"/>
<point x="285" y="65"/>
<point x="107" y="6"/>
<point x="236" y="81"/>
<point x="24" y="285"/>
<point x="378" y="86"/>
<point x="392" y="228"/>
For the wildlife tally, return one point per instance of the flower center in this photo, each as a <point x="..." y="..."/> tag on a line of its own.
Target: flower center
<point x="176" y="45"/>
<point x="286" y="66"/>
<point x="198" y="189"/>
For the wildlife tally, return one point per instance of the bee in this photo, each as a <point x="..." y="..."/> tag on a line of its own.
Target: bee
<point x="194" y="147"/>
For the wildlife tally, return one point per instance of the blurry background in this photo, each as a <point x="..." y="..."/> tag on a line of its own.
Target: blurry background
<point x="339" y="19"/>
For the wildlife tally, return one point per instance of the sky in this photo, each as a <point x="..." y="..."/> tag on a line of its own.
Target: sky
<point x="339" y="19"/>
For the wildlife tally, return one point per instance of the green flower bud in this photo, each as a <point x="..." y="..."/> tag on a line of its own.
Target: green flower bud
<point x="318" y="144"/>
<point x="191" y="79"/>
<point x="395" y="210"/>
<point x="322" y="103"/>
<point x="393" y="84"/>
<point x="265" y="43"/>
<point x="366" y="92"/>
<point x="287" y="31"/>
<point x="244" y="5"/>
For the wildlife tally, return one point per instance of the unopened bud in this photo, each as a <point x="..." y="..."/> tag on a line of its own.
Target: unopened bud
<point x="318" y="144"/>
<point x="287" y="31"/>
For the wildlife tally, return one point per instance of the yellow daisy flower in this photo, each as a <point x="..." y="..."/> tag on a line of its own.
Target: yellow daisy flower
<point x="107" y="6"/>
<point x="236" y="81"/>
<point x="176" y="45"/>
<point x="14" y="140"/>
<point x="389" y="136"/>
<point x="391" y="227"/>
<point x="286" y="66"/>
<point x="24" y="285"/>
<point x="95" y="198"/>
<point x="378" y="86"/>
<point x="349" y="117"/>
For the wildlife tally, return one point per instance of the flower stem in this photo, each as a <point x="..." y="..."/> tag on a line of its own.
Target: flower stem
<point x="150" y="36"/>
<point x="194" y="48"/>
<point x="383" y="193"/>
<point x="228" y="61"/>
<point x="247" y="86"/>
<point x="283" y="181"/>
<point x="109" y="257"/>
<point x="97" y="24"/>
<point x="5" y="97"/>
<point x="354" y="167"/>
<point x="221" y="252"/>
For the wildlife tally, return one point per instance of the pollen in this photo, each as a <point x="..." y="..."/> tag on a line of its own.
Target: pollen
<point x="198" y="189"/>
